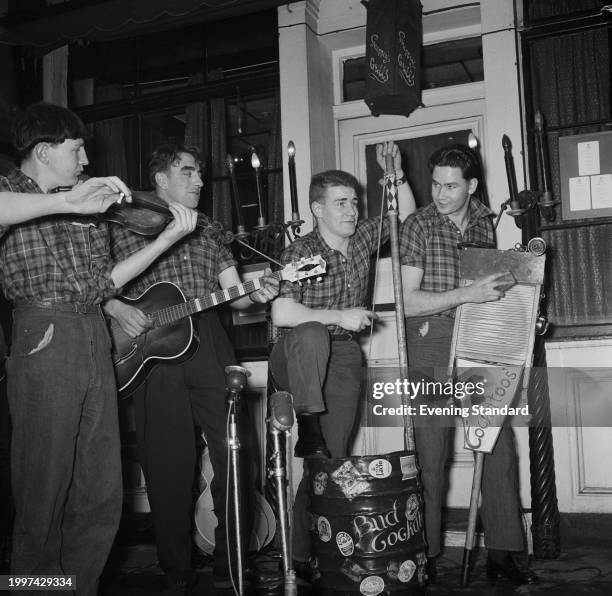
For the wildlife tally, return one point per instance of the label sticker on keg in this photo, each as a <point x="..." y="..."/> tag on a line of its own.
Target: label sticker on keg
<point x="414" y="519"/>
<point x="406" y="571"/>
<point x="412" y="507"/>
<point x="371" y="586"/>
<point x="345" y="543"/>
<point x="348" y="479"/>
<point x="408" y="466"/>
<point x="324" y="529"/>
<point x="380" y="468"/>
<point x="319" y="483"/>
<point x="352" y="570"/>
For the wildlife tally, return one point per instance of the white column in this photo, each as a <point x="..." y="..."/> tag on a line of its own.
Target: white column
<point x="306" y="99"/>
<point x="503" y="108"/>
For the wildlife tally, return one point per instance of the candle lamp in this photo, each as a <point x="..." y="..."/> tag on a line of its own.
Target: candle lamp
<point x="295" y="222"/>
<point x="265" y="239"/>
<point x="546" y="202"/>
<point x="292" y="181"/>
<point x="474" y="145"/>
<point x="240" y="230"/>
<point x="256" y="164"/>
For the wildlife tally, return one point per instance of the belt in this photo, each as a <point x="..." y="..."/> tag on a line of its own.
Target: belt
<point x="344" y="337"/>
<point x="84" y="309"/>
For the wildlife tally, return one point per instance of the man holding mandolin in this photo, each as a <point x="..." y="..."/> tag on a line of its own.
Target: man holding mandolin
<point x="178" y="395"/>
<point x="56" y="268"/>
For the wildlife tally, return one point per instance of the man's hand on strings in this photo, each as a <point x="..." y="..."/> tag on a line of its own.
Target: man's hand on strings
<point x="269" y="289"/>
<point x="356" y="319"/>
<point x="132" y="320"/>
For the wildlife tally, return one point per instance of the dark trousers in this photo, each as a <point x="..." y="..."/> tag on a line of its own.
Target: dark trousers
<point x="65" y="451"/>
<point x="323" y="376"/>
<point x="429" y="341"/>
<point x="174" y="399"/>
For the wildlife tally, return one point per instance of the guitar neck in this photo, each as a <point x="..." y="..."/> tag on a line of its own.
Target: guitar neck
<point x="170" y="314"/>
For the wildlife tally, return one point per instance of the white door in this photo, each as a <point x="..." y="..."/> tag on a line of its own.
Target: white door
<point x="354" y="136"/>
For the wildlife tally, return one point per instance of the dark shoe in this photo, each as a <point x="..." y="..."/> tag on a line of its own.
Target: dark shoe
<point x="310" y="441"/>
<point x="306" y="571"/>
<point x="431" y="570"/>
<point x="510" y="571"/>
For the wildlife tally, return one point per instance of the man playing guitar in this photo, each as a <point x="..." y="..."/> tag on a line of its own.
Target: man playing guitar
<point x="177" y="396"/>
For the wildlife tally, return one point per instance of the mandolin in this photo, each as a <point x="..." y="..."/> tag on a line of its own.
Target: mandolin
<point x="171" y="338"/>
<point x="264" y="521"/>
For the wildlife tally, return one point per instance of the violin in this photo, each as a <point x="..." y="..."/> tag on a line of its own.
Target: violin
<point x="148" y="215"/>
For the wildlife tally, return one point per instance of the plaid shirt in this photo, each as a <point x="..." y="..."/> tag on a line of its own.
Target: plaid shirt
<point x="54" y="259"/>
<point x="428" y="241"/>
<point x="345" y="282"/>
<point x="193" y="263"/>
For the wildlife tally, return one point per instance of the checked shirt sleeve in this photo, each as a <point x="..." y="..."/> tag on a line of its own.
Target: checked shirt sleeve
<point x="412" y="242"/>
<point x="5" y="186"/>
<point x="102" y="263"/>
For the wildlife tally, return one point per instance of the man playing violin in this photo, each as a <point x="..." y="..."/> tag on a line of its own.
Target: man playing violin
<point x="178" y="396"/>
<point x="57" y="271"/>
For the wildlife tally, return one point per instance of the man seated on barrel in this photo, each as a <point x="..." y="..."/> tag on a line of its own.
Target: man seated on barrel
<point x="318" y="357"/>
<point x="430" y="272"/>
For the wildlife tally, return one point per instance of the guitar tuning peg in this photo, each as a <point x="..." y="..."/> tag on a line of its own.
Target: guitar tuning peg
<point x="319" y="279"/>
<point x="309" y="281"/>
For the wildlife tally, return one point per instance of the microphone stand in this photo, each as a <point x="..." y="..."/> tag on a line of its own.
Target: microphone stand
<point x="235" y="380"/>
<point x="281" y="425"/>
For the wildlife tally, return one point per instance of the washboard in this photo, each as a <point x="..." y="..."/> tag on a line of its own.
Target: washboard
<point x="493" y="341"/>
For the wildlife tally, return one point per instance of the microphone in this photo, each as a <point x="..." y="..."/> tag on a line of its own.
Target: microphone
<point x="236" y="378"/>
<point x="281" y="410"/>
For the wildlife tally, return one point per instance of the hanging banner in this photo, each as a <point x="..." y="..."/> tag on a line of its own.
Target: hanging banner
<point x="394" y="36"/>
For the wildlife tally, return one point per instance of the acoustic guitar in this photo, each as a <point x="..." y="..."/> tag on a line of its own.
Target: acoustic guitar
<point x="172" y="335"/>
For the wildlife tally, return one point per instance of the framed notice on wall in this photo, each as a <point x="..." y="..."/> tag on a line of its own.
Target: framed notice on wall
<point x="585" y="165"/>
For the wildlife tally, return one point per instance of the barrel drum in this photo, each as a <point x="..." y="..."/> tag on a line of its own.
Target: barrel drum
<point x="367" y="524"/>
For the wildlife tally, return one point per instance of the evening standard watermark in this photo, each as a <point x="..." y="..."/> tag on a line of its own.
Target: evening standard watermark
<point x="488" y="396"/>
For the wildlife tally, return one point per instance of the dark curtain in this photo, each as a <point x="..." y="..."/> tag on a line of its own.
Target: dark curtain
<point x="544" y="9"/>
<point x="571" y="84"/>
<point x="109" y="144"/>
<point x="275" y="161"/>
<point x="205" y="128"/>
<point x="570" y="77"/>
<point x="222" y="201"/>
